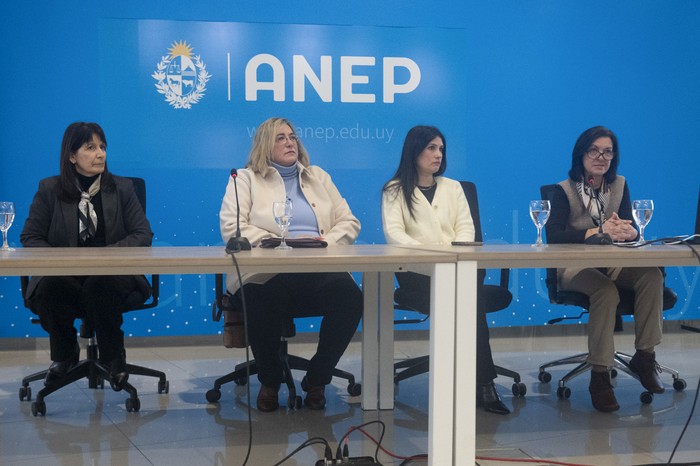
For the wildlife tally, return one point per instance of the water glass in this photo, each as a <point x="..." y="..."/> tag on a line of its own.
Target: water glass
<point x="539" y="213"/>
<point x="642" y="210"/>
<point x="7" y="216"/>
<point x="282" y="211"/>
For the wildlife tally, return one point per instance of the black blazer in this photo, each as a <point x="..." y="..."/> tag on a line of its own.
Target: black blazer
<point x="54" y="223"/>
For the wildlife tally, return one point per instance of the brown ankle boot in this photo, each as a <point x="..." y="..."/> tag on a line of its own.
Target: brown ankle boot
<point x="268" y="399"/>
<point x="644" y="365"/>
<point x="602" y="394"/>
<point x="315" y="398"/>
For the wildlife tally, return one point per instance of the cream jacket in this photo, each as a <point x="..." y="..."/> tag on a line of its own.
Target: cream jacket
<point x="447" y="219"/>
<point x="336" y="223"/>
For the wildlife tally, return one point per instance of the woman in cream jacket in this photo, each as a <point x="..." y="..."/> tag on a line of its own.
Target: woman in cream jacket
<point x="278" y="168"/>
<point x="420" y="206"/>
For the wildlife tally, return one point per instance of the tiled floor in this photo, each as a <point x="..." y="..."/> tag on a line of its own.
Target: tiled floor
<point x="84" y="426"/>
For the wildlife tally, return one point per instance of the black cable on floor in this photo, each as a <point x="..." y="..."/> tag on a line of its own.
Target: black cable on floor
<point x="247" y="360"/>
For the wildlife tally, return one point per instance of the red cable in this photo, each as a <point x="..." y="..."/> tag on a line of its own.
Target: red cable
<point x="483" y="458"/>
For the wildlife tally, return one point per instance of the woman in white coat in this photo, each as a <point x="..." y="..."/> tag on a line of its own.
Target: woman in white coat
<point x="420" y="206"/>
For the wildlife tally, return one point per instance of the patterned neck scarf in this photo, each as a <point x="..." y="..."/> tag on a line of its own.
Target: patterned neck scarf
<point x="588" y="196"/>
<point x="87" y="218"/>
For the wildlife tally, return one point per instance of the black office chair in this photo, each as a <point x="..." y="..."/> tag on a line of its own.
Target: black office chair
<point x="289" y="362"/>
<point x="625" y="307"/>
<point x="492" y="298"/>
<point x="90" y="368"/>
<point x="696" y="240"/>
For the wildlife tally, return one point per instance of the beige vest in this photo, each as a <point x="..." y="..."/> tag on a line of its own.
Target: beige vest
<point x="579" y="218"/>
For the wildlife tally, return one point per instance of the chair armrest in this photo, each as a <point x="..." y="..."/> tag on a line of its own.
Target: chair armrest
<point x="505" y="278"/>
<point x="155" y="288"/>
<point x="155" y="293"/>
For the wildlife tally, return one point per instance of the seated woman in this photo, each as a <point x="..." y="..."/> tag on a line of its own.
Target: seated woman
<point x="420" y="206"/>
<point x="593" y="194"/>
<point x="278" y="168"/>
<point x="85" y="206"/>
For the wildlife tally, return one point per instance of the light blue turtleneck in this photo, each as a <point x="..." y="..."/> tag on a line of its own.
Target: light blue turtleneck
<point x="303" y="218"/>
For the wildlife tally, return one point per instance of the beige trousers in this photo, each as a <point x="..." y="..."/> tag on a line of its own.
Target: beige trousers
<point x="601" y="288"/>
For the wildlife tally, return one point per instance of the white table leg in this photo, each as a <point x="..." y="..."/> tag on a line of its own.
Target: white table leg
<point x="442" y="366"/>
<point x="370" y="342"/>
<point x="386" y="340"/>
<point x="465" y="363"/>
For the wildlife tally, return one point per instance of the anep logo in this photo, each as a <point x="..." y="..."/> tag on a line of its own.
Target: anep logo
<point x="354" y="77"/>
<point x="180" y="79"/>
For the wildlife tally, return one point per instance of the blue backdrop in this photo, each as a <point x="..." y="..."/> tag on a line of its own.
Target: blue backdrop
<point x="511" y="84"/>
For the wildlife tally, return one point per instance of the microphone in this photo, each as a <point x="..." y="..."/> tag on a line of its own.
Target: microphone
<point x="600" y="237"/>
<point x="237" y="243"/>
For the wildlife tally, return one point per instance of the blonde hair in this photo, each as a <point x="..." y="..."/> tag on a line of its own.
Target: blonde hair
<point x="264" y="142"/>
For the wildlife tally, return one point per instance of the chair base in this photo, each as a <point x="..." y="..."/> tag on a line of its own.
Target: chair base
<point x="96" y="373"/>
<point x="421" y="364"/>
<point x="290" y="362"/>
<point x="621" y="363"/>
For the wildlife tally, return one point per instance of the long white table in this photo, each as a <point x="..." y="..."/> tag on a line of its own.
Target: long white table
<point x="453" y="303"/>
<point x="377" y="263"/>
<point x="471" y="258"/>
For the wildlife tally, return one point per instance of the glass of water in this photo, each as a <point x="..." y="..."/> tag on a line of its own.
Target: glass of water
<point x="282" y="211"/>
<point x="7" y="216"/>
<point x="642" y="210"/>
<point x="539" y="213"/>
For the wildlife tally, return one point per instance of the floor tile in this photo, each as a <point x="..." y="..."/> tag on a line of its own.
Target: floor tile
<point x="85" y="426"/>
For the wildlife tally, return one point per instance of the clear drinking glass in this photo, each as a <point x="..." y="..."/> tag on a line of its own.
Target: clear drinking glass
<point x="282" y="211"/>
<point x="539" y="213"/>
<point x="642" y="210"/>
<point x="7" y="216"/>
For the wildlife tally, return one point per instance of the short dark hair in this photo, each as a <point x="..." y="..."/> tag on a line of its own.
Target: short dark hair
<point x="583" y="143"/>
<point x="74" y="137"/>
<point x="406" y="176"/>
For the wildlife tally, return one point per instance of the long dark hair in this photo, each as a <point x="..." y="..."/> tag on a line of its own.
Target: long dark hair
<point x="406" y="176"/>
<point x="74" y="137"/>
<point x="583" y="143"/>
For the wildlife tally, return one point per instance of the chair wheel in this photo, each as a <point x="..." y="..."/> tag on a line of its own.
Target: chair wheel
<point x="25" y="393"/>
<point x="544" y="377"/>
<point x="133" y="404"/>
<point x="646" y="397"/>
<point x="678" y="385"/>
<point x="294" y="402"/>
<point x="38" y="408"/>
<point x="613" y="373"/>
<point x="164" y="386"/>
<point x="563" y="393"/>
<point x="213" y="395"/>
<point x="355" y="389"/>
<point x="519" y="390"/>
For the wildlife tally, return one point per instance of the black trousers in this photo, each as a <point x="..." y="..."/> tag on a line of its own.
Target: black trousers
<point x="334" y="296"/>
<point x="420" y="285"/>
<point x="58" y="301"/>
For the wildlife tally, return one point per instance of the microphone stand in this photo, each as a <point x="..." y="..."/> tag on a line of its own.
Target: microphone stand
<point x="600" y="237"/>
<point x="238" y="242"/>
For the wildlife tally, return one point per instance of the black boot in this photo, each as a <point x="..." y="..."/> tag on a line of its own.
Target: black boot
<point x="59" y="369"/>
<point x="117" y="369"/>
<point x="487" y="398"/>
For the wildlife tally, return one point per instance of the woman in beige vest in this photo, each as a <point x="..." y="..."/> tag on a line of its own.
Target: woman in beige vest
<point x="593" y="194"/>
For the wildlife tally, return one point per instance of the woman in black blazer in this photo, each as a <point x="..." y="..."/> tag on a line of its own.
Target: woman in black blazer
<point x="85" y="206"/>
